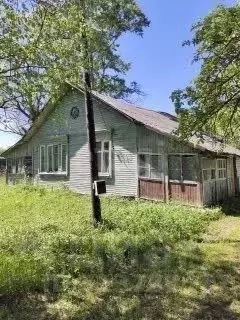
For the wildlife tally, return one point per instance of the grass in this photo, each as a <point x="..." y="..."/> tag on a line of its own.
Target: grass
<point x="147" y="260"/>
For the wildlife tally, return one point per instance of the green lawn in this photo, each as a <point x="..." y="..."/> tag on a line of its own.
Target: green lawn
<point x="147" y="260"/>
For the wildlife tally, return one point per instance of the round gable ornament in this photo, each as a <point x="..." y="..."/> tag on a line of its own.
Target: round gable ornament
<point x="75" y="112"/>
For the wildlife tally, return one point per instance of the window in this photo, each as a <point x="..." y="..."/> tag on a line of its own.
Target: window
<point x="42" y="159"/>
<point x="103" y="151"/>
<point x="214" y="169"/>
<point x="209" y="169"/>
<point x="182" y="167"/>
<point x="150" y="166"/>
<point x="54" y="160"/>
<point x="19" y="165"/>
<point x="221" y="168"/>
<point x="50" y="158"/>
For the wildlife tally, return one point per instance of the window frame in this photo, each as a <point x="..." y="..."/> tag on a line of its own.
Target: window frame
<point x="209" y="170"/>
<point x="60" y="157"/>
<point x="109" y="173"/>
<point x="181" y="155"/>
<point x="217" y="169"/>
<point x="149" y="154"/>
<point x="221" y="169"/>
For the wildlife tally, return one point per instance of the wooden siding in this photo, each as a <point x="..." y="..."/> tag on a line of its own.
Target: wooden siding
<point x="218" y="190"/>
<point x="184" y="193"/>
<point x="238" y="171"/>
<point x="152" y="142"/>
<point x="151" y="189"/>
<point x="128" y="140"/>
<point x="109" y="124"/>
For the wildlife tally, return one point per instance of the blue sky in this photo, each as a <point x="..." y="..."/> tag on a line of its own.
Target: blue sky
<point x="159" y="63"/>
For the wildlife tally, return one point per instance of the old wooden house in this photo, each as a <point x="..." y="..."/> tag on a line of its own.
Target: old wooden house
<point x="139" y="154"/>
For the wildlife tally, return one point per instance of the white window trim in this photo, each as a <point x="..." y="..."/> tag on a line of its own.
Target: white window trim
<point x="182" y="180"/>
<point x="106" y="174"/>
<point x="149" y="173"/>
<point x="46" y="150"/>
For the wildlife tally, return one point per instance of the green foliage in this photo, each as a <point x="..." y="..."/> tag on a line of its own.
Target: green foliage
<point x="46" y="237"/>
<point x="1" y="150"/>
<point x="41" y="47"/>
<point x="211" y="103"/>
<point x="142" y="263"/>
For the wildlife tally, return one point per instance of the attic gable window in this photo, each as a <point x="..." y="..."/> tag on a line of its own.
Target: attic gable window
<point x="53" y="158"/>
<point x="103" y="150"/>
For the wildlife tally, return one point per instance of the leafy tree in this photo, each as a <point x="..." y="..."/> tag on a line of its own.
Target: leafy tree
<point x="41" y="47"/>
<point x="211" y="104"/>
<point x="1" y="150"/>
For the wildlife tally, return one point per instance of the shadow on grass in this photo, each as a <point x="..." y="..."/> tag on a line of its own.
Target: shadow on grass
<point x="24" y="307"/>
<point x="231" y="206"/>
<point x="181" y="284"/>
<point x="178" y="287"/>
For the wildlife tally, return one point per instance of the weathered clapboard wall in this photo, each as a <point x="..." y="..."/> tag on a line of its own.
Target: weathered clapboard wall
<point x="238" y="172"/>
<point x="162" y="188"/>
<point x="128" y="141"/>
<point x="217" y="190"/>
<point x="61" y="127"/>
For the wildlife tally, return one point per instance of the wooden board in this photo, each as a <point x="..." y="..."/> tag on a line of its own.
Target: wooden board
<point x="151" y="189"/>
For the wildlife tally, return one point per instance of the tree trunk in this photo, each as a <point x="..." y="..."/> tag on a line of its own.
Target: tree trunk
<point x="96" y="205"/>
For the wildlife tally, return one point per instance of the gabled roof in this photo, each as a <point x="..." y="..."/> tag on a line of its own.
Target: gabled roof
<point x="160" y="122"/>
<point x="165" y="123"/>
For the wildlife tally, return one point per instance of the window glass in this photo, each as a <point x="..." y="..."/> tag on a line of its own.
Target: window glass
<point x="156" y="166"/>
<point x="213" y="174"/>
<point x="98" y="146"/>
<point x="105" y="165"/>
<point x="221" y="168"/>
<point x="64" y="158"/>
<point x="205" y="175"/>
<point x="209" y="169"/>
<point x="175" y="174"/>
<point x="144" y="172"/>
<point x="189" y="168"/>
<point x="144" y="160"/>
<point x="55" y="158"/>
<point x="42" y="159"/>
<point x="103" y="156"/>
<point x="174" y="168"/>
<point x="150" y="166"/>
<point x="174" y="162"/>
<point x="50" y="158"/>
<point x="106" y="146"/>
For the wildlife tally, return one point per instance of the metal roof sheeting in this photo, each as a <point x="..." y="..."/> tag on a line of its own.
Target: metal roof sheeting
<point x="164" y="123"/>
<point x="158" y="121"/>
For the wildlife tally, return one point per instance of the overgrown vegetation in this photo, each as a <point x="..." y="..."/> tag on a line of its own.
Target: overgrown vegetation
<point x="147" y="261"/>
